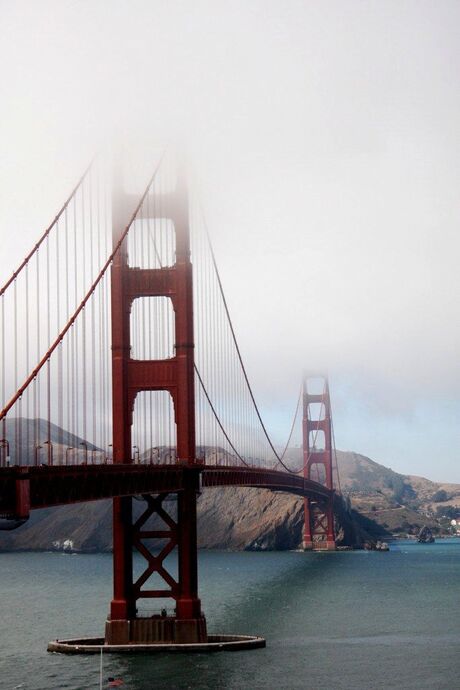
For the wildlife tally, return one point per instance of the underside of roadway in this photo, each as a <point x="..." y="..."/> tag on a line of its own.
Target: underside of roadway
<point x="27" y="488"/>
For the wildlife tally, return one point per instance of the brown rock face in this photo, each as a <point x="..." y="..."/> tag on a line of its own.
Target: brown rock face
<point x="238" y="518"/>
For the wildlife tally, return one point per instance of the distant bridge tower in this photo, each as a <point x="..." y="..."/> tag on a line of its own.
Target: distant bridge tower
<point x="317" y="463"/>
<point x="176" y="376"/>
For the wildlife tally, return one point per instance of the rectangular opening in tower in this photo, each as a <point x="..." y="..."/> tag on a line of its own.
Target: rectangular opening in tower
<point x="154" y="429"/>
<point x="316" y="385"/>
<point x="318" y="472"/>
<point x="316" y="411"/>
<point x="316" y="440"/>
<point x="152" y="326"/>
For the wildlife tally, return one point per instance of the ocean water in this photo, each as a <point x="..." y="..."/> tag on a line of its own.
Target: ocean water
<point x="349" y="620"/>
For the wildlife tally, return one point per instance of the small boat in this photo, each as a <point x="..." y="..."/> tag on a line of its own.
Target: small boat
<point x="382" y="546"/>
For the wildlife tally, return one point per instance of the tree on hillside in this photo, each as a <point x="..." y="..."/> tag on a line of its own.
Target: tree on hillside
<point x="440" y="496"/>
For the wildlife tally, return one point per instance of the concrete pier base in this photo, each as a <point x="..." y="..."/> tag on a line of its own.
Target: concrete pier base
<point x="156" y="629"/>
<point x="215" y="643"/>
<point x="319" y="546"/>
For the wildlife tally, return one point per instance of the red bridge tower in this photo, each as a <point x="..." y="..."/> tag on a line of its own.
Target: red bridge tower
<point x="317" y="465"/>
<point x="176" y="376"/>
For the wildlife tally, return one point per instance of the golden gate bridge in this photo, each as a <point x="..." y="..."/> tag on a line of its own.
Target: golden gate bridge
<point x="122" y="378"/>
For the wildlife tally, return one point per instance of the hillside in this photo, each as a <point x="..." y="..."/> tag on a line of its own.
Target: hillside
<point x="394" y="503"/>
<point x="383" y="503"/>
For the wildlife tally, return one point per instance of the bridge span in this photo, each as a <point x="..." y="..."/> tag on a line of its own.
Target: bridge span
<point x="27" y="488"/>
<point x="116" y="330"/>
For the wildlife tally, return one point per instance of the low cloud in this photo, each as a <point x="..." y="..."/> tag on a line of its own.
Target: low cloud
<point x="325" y="144"/>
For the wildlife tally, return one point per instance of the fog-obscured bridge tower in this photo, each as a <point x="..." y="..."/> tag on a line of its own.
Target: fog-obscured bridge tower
<point x="317" y="463"/>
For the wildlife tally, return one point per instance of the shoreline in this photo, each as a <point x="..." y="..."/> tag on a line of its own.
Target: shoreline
<point x="340" y="549"/>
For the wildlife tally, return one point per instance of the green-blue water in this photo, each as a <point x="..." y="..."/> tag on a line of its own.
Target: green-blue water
<point x="353" y="620"/>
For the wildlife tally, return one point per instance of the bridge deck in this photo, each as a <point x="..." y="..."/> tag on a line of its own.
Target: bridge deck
<point x="27" y="488"/>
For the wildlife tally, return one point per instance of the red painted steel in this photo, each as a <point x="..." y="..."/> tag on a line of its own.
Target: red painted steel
<point x="22" y="507"/>
<point x="318" y="514"/>
<point x="155" y="562"/>
<point x="175" y="375"/>
<point x="61" y="485"/>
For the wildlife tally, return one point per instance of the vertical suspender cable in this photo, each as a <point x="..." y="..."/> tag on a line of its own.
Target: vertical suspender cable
<point x="27" y="338"/>
<point x="83" y="318"/>
<point x="3" y="385"/>
<point x="93" y="359"/>
<point x="60" y="348"/>
<point x="48" y="342"/>
<point x="15" y="342"/>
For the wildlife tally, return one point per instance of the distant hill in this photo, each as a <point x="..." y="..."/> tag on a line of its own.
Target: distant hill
<point x="28" y="439"/>
<point x="383" y="503"/>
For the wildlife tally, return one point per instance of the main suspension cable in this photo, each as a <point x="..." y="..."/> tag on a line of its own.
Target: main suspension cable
<point x="335" y="455"/>
<point x="278" y="457"/>
<point x="293" y="423"/>
<point x="213" y="410"/>
<point x="48" y="229"/>
<point x="84" y="301"/>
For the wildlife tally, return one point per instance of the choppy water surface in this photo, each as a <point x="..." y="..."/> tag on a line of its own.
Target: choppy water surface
<point x="353" y="620"/>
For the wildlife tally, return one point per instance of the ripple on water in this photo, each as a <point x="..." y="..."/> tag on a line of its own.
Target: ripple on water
<point x="382" y="621"/>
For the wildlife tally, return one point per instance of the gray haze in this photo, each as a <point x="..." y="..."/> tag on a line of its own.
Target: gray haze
<point x="325" y="141"/>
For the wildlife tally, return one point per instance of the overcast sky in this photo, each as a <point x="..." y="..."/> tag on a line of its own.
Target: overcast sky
<point x="325" y="138"/>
